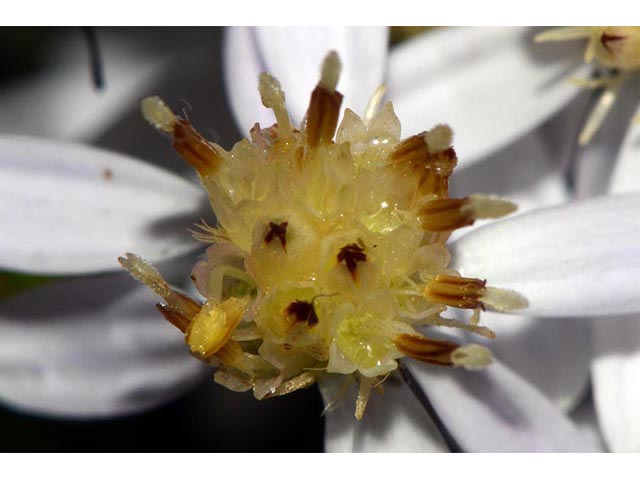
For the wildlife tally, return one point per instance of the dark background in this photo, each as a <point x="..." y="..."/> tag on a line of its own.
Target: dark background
<point x="209" y="417"/>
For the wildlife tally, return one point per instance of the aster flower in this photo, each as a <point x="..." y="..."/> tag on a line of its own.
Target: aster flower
<point x="561" y="422"/>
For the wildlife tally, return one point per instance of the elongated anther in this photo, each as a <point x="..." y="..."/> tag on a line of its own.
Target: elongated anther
<point x="459" y="292"/>
<point x="437" y="352"/>
<point x="192" y="147"/>
<point x="429" y="157"/>
<point x="446" y="214"/>
<point x="146" y="273"/>
<point x="472" y="293"/>
<point x="324" y="107"/>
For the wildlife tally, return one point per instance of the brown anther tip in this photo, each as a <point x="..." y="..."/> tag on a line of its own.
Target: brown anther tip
<point x="300" y="311"/>
<point x="445" y="215"/>
<point x="459" y="292"/>
<point x="194" y="149"/>
<point x="174" y="317"/>
<point x="350" y="255"/>
<point x="322" y="116"/>
<point x="279" y="231"/>
<point x="432" y="170"/>
<point x="436" y="352"/>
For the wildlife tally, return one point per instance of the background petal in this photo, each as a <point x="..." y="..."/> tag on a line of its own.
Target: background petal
<point x="551" y="354"/>
<point x="615" y="371"/>
<point x="68" y="105"/>
<point x="493" y="410"/>
<point x="578" y="259"/>
<point x="68" y="208"/>
<point x="614" y="148"/>
<point x="491" y="85"/>
<point x="394" y="421"/>
<point x="90" y="348"/>
<point x="294" y="56"/>
<point x="626" y="175"/>
<point x="242" y="67"/>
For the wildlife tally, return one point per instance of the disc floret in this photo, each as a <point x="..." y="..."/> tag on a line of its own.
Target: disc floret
<point x="329" y="255"/>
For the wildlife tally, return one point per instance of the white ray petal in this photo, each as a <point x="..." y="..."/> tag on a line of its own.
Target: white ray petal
<point x="242" y="66"/>
<point x="494" y="410"/>
<point x="551" y="354"/>
<point x="394" y="421"/>
<point x="526" y="173"/>
<point x="578" y="259"/>
<point x="61" y="102"/>
<point x="626" y="175"/>
<point x="68" y="208"/>
<point x="90" y="348"/>
<point x="294" y="55"/>
<point x="491" y="85"/>
<point x="615" y="371"/>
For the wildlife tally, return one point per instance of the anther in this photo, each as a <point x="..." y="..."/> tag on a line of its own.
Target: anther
<point x="472" y="293"/>
<point x="145" y="273"/>
<point x="279" y="231"/>
<point x="430" y="157"/>
<point x="456" y="292"/>
<point x="324" y="107"/>
<point x="302" y="312"/>
<point x="350" y="255"/>
<point x="192" y="147"/>
<point x="446" y="214"/>
<point x="437" y="352"/>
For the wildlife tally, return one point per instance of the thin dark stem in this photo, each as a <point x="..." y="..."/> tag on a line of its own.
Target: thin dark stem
<point x="418" y="391"/>
<point x="95" y="58"/>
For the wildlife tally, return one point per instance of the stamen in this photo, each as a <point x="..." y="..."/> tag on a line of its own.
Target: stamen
<point x="174" y="317"/>
<point x="278" y="231"/>
<point x="439" y="138"/>
<point x="330" y="72"/>
<point x="192" y="147"/>
<point x="503" y="300"/>
<point x="456" y="292"/>
<point x="145" y="273"/>
<point x="324" y="107"/>
<point x="472" y="356"/>
<point x="429" y="162"/>
<point x="446" y="214"/>
<point x="302" y="312"/>
<point x="273" y="97"/>
<point x="158" y="114"/>
<point x="437" y="352"/>
<point x="350" y="255"/>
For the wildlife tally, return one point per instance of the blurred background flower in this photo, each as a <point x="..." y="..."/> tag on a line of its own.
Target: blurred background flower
<point x="465" y="77"/>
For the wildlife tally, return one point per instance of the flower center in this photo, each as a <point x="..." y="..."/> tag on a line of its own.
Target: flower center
<point x="329" y="256"/>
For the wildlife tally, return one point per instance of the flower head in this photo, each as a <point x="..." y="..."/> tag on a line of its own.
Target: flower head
<point x="330" y="250"/>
